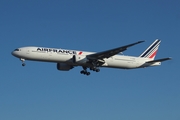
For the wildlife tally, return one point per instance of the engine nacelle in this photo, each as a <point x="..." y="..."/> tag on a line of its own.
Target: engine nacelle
<point x="64" y="66"/>
<point x="80" y="59"/>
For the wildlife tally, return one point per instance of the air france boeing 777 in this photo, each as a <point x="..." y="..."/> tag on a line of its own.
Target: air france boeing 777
<point x="68" y="59"/>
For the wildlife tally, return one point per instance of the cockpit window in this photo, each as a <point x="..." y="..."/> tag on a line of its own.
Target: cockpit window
<point x="16" y="50"/>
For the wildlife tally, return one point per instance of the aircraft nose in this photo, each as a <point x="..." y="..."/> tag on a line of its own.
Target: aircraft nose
<point x="13" y="53"/>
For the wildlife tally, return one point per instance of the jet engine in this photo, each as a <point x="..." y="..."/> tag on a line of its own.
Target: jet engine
<point x="64" y="66"/>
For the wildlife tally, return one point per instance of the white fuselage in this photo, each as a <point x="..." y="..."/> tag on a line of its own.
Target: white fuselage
<point x="65" y="56"/>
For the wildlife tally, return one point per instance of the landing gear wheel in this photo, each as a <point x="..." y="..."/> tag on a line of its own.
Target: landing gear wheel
<point x="82" y="72"/>
<point x="23" y="64"/>
<point x="85" y="72"/>
<point x="23" y="60"/>
<point x="88" y="73"/>
<point x="97" y="70"/>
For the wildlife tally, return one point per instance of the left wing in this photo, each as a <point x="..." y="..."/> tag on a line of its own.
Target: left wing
<point x="109" y="53"/>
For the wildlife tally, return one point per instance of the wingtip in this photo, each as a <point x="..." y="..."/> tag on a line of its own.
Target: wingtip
<point x="170" y="58"/>
<point x="141" y="41"/>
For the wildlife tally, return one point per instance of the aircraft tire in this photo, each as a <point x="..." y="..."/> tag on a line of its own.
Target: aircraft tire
<point x="88" y="73"/>
<point x="97" y="70"/>
<point x="23" y="64"/>
<point x="82" y="72"/>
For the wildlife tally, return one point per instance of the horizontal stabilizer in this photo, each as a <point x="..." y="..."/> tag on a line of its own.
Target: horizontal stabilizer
<point x="159" y="60"/>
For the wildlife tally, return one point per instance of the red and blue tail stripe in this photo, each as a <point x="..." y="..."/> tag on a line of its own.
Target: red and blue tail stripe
<point x="151" y="51"/>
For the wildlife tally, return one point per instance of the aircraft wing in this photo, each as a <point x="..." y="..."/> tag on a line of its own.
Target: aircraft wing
<point x="111" y="52"/>
<point x="159" y="60"/>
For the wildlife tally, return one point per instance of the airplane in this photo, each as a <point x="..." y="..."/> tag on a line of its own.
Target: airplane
<point x="67" y="59"/>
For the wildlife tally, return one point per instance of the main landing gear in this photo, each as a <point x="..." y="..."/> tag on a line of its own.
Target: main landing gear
<point x="23" y="60"/>
<point x="85" y="72"/>
<point x="95" y="69"/>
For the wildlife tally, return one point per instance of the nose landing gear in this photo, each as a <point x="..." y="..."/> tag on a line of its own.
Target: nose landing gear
<point x="23" y="64"/>
<point x="23" y="60"/>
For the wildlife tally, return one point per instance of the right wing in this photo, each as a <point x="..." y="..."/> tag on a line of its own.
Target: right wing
<point x="111" y="52"/>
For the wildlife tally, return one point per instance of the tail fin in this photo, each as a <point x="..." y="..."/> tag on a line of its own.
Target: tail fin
<point x="151" y="51"/>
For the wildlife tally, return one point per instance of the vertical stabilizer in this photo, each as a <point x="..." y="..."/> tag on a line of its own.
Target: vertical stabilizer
<point x="151" y="51"/>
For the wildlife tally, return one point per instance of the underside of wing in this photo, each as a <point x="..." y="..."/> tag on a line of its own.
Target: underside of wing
<point x="111" y="52"/>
